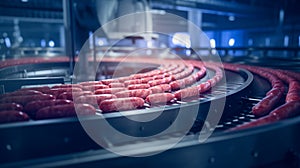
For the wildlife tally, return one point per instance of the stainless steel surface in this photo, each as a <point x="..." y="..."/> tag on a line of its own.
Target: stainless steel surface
<point x="58" y="129"/>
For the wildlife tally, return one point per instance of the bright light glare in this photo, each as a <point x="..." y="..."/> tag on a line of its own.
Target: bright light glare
<point x="250" y="42"/>
<point x="212" y="43"/>
<point x="182" y="39"/>
<point x="51" y="43"/>
<point x="231" y="42"/>
<point x="286" y="41"/>
<point x="100" y="42"/>
<point x="231" y="18"/>
<point x="188" y="52"/>
<point x="149" y="44"/>
<point x="43" y="43"/>
<point x="7" y="42"/>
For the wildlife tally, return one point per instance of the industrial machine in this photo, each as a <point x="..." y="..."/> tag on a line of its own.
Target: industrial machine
<point x="157" y="53"/>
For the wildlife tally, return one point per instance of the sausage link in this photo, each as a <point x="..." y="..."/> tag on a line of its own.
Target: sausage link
<point x="116" y="85"/>
<point x="175" y="85"/>
<point x="11" y="106"/>
<point x="266" y="105"/>
<point x="93" y="88"/>
<point x="160" y="88"/>
<point x="21" y="93"/>
<point x="123" y="79"/>
<point x="286" y="110"/>
<point x="94" y="100"/>
<point x="261" y="121"/>
<point x="13" y="116"/>
<point x="212" y="82"/>
<point x="138" y="86"/>
<point x="68" y="86"/>
<point x="160" y="81"/>
<point x="274" y="91"/>
<point x="142" y="93"/>
<point x="134" y="81"/>
<point x="23" y="100"/>
<point x="187" y="93"/>
<point x="66" y="110"/>
<point x="110" y="90"/>
<point x="203" y="87"/>
<point x="121" y="104"/>
<point x="189" y="70"/>
<point x="57" y="91"/>
<point x="108" y="81"/>
<point x="293" y="92"/>
<point x="40" y="89"/>
<point x="160" y="98"/>
<point x="293" y="96"/>
<point x="88" y="83"/>
<point x="139" y="76"/>
<point x="32" y="107"/>
<point x="69" y="95"/>
<point x="161" y="76"/>
<point x="146" y="80"/>
<point x="200" y="74"/>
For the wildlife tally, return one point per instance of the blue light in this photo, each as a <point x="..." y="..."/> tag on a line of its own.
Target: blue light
<point x="212" y="43"/>
<point x="231" y="18"/>
<point x="43" y="43"/>
<point x="51" y="43"/>
<point x="231" y="42"/>
<point x="7" y="42"/>
<point x="250" y="42"/>
<point x="286" y="41"/>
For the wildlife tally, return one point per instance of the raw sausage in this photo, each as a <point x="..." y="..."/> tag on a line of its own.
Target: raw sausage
<point x="160" y="98"/>
<point x="32" y="107"/>
<point x="23" y="100"/>
<point x="266" y="104"/>
<point x="88" y="83"/>
<point x="134" y="81"/>
<point x="284" y="111"/>
<point x="67" y="86"/>
<point x="160" y="81"/>
<point x="66" y="110"/>
<point x="138" y="86"/>
<point x="116" y="85"/>
<point x="94" y="100"/>
<point x="108" y="81"/>
<point x="11" y="106"/>
<point x="57" y="91"/>
<point x="160" y="88"/>
<point x="21" y="93"/>
<point x="121" y="104"/>
<point x="12" y="116"/>
<point x="41" y="89"/>
<point x="93" y="88"/>
<point x="142" y="93"/>
<point x="69" y="95"/>
<point x="109" y="90"/>
<point x="187" y="93"/>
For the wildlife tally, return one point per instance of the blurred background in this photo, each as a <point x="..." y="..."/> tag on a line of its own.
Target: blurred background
<point x="235" y="27"/>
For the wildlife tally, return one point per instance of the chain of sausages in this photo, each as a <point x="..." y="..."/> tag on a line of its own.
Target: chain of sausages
<point x="266" y="107"/>
<point x="124" y="93"/>
<point x="175" y="80"/>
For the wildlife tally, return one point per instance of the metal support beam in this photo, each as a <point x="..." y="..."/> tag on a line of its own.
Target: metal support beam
<point x="69" y="32"/>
